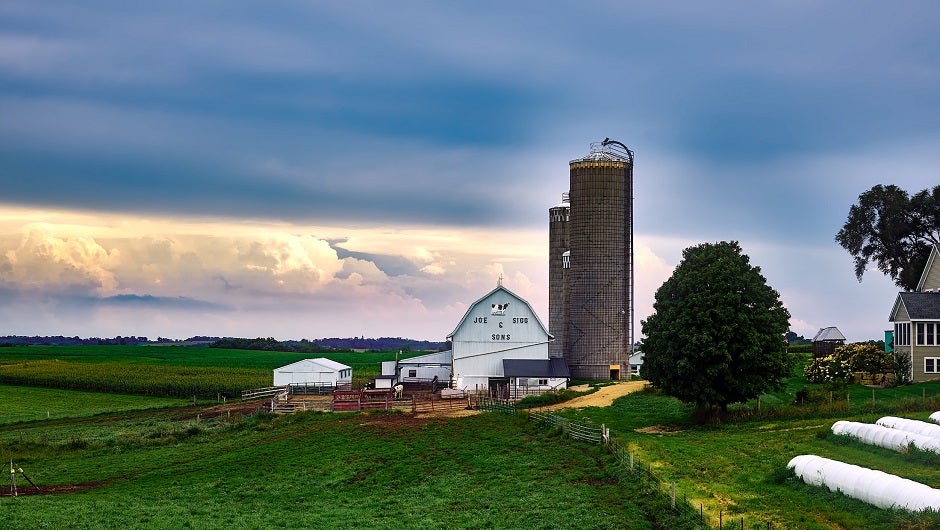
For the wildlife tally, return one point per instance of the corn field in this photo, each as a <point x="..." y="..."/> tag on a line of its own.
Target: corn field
<point x="150" y="380"/>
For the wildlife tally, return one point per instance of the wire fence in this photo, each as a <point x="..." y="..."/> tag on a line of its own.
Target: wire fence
<point x="627" y="467"/>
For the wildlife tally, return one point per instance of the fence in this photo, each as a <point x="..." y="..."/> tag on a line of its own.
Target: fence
<point x="627" y="465"/>
<point x="259" y="393"/>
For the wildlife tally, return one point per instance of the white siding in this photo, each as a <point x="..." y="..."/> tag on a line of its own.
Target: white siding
<point x="486" y="335"/>
<point x="313" y="371"/>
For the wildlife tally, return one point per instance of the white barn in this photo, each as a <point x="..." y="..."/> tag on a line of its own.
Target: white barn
<point x="497" y="327"/>
<point x="313" y="372"/>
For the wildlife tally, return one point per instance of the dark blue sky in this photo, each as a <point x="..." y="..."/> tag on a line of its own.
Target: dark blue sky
<point x="755" y="122"/>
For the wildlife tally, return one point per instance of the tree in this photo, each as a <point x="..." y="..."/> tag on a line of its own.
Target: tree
<point x="893" y="230"/>
<point x="716" y="336"/>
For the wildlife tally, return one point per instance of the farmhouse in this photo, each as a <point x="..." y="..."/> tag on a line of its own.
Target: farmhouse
<point x="320" y="372"/>
<point x="498" y="332"/>
<point x="916" y="318"/>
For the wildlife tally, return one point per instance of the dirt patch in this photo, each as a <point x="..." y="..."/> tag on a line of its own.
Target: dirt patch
<point x="394" y="422"/>
<point x="602" y="398"/>
<point x="660" y="429"/>
<point x="56" y="489"/>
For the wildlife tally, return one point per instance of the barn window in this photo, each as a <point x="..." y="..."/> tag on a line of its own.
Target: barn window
<point x="931" y="365"/>
<point x="412" y="373"/>
<point x="543" y="382"/>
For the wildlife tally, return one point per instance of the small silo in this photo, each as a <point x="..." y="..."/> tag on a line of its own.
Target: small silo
<point x="558" y="262"/>
<point x="599" y="281"/>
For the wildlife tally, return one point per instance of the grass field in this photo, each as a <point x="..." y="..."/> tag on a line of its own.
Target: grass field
<point x="22" y="403"/>
<point x="163" y="468"/>
<point x="738" y="467"/>
<point x="316" y="471"/>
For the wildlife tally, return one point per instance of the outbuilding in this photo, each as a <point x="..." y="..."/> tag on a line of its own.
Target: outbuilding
<point x="535" y="376"/>
<point x="319" y="372"/>
<point x="826" y="341"/>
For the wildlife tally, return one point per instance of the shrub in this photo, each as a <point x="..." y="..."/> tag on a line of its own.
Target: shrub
<point x="867" y="358"/>
<point x="833" y="369"/>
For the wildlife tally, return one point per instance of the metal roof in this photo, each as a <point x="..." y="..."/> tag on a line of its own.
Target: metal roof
<point x="314" y="364"/>
<point x="441" y="357"/>
<point x="830" y="333"/>
<point x="553" y="367"/>
<point x="608" y="149"/>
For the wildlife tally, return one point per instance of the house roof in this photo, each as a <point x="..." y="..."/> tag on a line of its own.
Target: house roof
<point x="320" y="364"/>
<point x="830" y="333"/>
<point x="510" y="293"/>
<point x="919" y="306"/>
<point x="552" y="367"/>
<point x="933" y="259"/>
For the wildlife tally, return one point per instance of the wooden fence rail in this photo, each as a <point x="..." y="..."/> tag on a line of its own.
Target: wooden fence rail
<point x="259" y="393"/>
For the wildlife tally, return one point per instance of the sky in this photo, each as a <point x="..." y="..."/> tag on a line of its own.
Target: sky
<point x="369" y="168"/>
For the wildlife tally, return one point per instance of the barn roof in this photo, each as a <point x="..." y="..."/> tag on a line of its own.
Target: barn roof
<point x="319" y="364"/>
<point x="510" y="293"/>
<point x="919" y="306"/>
<point x="830" y="333"/>
<point x="552" y="367"/>
<point x="441" y="357"/>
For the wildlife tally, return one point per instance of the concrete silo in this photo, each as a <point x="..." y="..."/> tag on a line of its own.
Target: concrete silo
<point x="558" y="264"/>
<point x="591" y="301"/>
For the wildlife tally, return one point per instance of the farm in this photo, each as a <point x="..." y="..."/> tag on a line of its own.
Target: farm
<point x="161" y="462"/>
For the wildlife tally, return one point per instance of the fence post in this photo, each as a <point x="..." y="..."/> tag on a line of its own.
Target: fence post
<point x="631" y="461"/>
<point x="672" y="495"/>
<point x="873" y="400"/>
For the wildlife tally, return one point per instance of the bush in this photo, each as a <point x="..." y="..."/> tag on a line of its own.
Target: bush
<point x="830" y="370"/>
<point x="864" y="358"/>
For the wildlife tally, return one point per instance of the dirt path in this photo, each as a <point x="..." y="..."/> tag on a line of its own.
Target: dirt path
<point x="602" y="398"/>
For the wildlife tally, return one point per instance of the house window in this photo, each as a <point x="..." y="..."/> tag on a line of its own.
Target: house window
<point x="543" y="382"/>
<point x="902" y="334"/>
<point x="926" y="334"/>
<point x="931" y="365"/>
<point x="412" y="373"/>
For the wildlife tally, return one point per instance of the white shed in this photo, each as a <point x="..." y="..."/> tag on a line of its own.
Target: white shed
<point x="313" y="372"/>
<point x="499" y="326"/>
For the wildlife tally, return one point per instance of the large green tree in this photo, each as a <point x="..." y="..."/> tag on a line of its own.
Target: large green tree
<point x="894" y="231"/>
<point x="716" y="336"/>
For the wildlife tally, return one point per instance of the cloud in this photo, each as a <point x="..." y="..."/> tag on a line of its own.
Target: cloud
<point x="118" y="274"/>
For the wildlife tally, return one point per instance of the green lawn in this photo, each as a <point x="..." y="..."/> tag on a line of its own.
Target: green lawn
<point x="314" y="470"/>
<point x="738" y="467"/>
